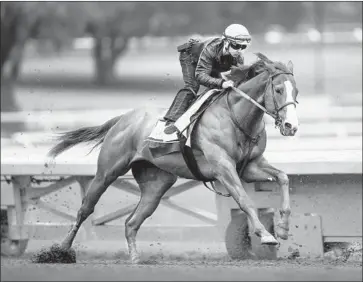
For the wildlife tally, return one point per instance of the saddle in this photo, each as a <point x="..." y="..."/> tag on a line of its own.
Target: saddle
<point x="160" y="144"/>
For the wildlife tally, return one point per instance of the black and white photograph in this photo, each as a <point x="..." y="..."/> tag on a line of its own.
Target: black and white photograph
<point x="181" y="140"/>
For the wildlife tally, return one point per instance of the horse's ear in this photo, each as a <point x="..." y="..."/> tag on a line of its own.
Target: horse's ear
<point x="290" y="67"/>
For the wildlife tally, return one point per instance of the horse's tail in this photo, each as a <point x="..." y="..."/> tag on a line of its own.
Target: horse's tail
<point x="85" y="134"/>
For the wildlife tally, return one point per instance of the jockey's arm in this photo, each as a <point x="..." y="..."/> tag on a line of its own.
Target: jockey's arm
<point x="204" y="69"/>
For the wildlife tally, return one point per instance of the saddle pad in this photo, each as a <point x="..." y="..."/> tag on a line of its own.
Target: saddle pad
<point x="185" y="119"/>
<point x="158" y="135"/>
<point x="159" y="144"/>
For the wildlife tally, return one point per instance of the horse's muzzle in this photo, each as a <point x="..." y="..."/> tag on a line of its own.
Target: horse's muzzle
<point x="287" y="129"/>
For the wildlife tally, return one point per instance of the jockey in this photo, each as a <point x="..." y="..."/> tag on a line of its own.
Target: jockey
<point x="202" y="63"/>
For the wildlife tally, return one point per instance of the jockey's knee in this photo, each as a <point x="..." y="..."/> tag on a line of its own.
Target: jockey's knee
<point x="192" y="87"/>
<point x="188" y="92"/>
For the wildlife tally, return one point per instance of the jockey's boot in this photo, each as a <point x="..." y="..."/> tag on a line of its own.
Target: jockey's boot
<point x="180" y="104"/>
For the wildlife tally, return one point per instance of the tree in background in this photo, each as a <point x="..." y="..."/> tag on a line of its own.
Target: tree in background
<point x="112" y="24"/>
<point x="14" y="33"/>
<point x="21" y="21"/>
<point x="17" y="20"/>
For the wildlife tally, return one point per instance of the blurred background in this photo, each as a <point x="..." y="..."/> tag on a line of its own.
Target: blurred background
<point x="95" y="55"/>
<point x="66" y="65"/>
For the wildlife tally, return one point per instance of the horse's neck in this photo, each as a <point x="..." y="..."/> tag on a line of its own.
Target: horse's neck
<point x="248" y="115"/>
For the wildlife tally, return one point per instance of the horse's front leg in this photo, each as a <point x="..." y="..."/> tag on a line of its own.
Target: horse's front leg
<point x="225" y="171"/>
<point x="260" y="170"/>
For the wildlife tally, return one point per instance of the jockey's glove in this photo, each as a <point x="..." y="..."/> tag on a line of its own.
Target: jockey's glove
<point x="227" y="84"/>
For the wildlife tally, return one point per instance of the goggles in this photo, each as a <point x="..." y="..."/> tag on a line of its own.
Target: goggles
<point x="238" y="46"/>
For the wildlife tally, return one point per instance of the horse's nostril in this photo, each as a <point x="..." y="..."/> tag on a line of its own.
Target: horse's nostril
<point x="288" y="125"/>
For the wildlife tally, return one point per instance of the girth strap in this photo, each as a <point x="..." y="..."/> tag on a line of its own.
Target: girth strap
<point x="191" y="163"/>
<point x="188" y="154"/>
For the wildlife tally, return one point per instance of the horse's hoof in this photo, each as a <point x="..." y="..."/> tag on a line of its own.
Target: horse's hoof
<point x="65" y="246"/>
<point x="56" y="254"/>
<point x="281" y="232"/>
<point x="135" y="260"/>
<point x="269" y="240"/>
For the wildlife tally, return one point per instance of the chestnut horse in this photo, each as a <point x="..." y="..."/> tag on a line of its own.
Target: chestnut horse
<point x="230" y="132"/>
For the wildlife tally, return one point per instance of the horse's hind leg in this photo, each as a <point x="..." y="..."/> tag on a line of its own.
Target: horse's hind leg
<point x="110" y="166"/>
<point x="153" y="183"/>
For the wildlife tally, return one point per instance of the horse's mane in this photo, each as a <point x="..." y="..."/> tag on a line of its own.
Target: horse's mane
<point x="244" y="73"/>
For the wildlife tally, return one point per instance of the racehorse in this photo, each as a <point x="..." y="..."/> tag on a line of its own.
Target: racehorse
<point x="230" y="132"/>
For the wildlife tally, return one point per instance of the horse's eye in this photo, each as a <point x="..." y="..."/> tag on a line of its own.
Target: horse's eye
<point x="279" y="88"/>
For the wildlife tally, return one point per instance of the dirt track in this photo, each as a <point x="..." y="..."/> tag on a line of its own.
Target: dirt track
<point x="106" y="261"/>
<point x="106" y="270"/>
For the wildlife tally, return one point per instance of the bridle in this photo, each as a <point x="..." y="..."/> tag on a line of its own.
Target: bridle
<point x="275" y="114"/>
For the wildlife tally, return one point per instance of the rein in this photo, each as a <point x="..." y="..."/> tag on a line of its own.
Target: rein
<point x="244" y="95"/>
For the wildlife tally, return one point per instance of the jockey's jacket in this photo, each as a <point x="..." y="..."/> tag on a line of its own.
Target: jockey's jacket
<point x="208" y="56"/>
